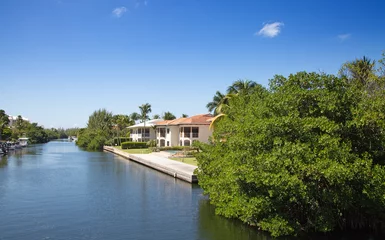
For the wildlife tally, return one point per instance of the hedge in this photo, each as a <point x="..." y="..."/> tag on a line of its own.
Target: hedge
<point x="131" y="145"/>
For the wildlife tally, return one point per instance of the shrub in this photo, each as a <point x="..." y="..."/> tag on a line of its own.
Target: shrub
<point x="151" y="143"/>
<point x="117" y="141"/>
<point x="180" y="148"/>
<point x="131" y="145"/>
<point x="305" y="156"/>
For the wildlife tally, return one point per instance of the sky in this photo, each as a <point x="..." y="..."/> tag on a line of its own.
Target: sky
<point x="60" y="60"/>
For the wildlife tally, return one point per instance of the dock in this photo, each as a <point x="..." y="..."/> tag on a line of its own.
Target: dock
<point x="173" y="168"/>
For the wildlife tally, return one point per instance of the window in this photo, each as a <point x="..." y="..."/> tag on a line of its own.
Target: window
<point x="162" y="142"/>
<point x="186" y="132"/>
<point x="195" y="132"/>
<point x="140" y="131"/>
<point x="180" y="143"/>
<point x="168" y="131"/>
<point x="186" y="142"/>
<point x="162" y="132"/>
<point x="146" y="132"/>
<point x="168" y="143"/>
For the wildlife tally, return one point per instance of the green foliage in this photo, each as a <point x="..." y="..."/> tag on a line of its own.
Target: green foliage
<point x="100" y="120"/>
<point x="168" y="116"/>
<point x="306" y="155"/>
<point x="36" y="134"/>
<point x="180" y="148"/>
<point x="145" y="109"/>
<point x="151" y="143"/>
<point x="3" y="122"/>
<point x="6" y="133"/>
<point x="98" y="131"/>
<point x="91" y="140"/>
<point x="132" y="145"/>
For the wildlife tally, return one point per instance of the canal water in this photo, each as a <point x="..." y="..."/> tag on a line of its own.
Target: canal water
<point x="57" y="191"/>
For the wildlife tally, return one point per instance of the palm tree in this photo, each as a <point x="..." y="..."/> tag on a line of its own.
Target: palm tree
<point x="135" y="116"/>
<point x="121" y="122"/>
<point x="145" y="109"/>
<point x="168" y="116"/>
<point x="241" y="87"/>
<point x="360" y="70"/>
<point x="216" y="102"/>
<point x="216" y="119"/>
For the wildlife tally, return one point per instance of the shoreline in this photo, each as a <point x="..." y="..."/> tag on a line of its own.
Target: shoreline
<point x="172" y="168"/>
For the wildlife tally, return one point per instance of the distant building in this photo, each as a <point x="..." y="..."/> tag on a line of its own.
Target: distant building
<point x="143" y="132"/>
<point x="183" y="131"/>
<point x="12" y="120"/>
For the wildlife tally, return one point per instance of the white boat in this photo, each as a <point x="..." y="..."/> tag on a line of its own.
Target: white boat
<point x="23" y="142"/>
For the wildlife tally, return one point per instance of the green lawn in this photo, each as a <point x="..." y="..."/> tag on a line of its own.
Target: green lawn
<point x="188" y="160"/>
<point x="135" y="151"/>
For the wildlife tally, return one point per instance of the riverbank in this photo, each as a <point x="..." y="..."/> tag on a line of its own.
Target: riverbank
<point x="175" y="169"/>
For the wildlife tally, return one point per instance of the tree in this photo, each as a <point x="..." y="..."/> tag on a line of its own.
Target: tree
<point x="184" y="115"/>
<point x="100" y="120"/>
<point x="98" y="130"/>
<point x="145" y="109"/>
<point x="361" y="70"/>
<point x="305" y="155"/>
<point x="135" y="116"/>
<point x="168" y="116"/>
<point x="121" y="122"/>
<point x="4" y="121"/>
<point x="216" y="104"/>
<point x="156" y="116"/>
<point x="242" y="87"/>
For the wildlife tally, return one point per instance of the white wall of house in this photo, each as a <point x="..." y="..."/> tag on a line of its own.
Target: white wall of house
<point x="203" y="134"/>
<point x="140" y="137"/>
<point x="173" y="136"/>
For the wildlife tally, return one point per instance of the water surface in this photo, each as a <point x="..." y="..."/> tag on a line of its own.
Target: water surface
<point x="57" y="191"/>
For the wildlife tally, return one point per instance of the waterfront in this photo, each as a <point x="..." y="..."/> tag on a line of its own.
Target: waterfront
<point x="57" y="191"/>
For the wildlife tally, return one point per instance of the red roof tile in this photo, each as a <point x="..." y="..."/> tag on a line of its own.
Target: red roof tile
<point x="201" y="119"/>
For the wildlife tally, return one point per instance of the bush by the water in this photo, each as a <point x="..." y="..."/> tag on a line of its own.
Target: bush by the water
<point x="91" y="140"/>
<point x="305" y="155"/>
<point x="132" y="145"/>
<point x="97" y="132"/>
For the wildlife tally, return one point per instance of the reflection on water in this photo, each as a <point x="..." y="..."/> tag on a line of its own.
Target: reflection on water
<point x="57" y="191"/>
<point x="216" y="227"/>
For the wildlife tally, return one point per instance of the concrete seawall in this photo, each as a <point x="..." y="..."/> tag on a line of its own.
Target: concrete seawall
<point x="175" y="169"/>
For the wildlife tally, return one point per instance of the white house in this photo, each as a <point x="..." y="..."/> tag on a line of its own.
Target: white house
<point x="13" y="119"/>
<point x="142" y="132"/>
<point x="183" y="131"/>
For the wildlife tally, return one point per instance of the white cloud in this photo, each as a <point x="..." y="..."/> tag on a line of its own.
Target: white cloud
<point x="270" y="29"/>
<point x="118" y="12"/>
<point x="344" y="37"/>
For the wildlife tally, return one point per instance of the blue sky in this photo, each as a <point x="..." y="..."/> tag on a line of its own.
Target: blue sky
<point x="62" y="59"/>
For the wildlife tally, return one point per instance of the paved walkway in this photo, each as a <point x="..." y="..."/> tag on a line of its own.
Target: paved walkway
<point x="176" y="169"/>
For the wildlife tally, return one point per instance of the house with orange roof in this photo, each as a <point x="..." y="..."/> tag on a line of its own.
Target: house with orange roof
<point x="183" y="131"/>
<point x="143" y="132"/>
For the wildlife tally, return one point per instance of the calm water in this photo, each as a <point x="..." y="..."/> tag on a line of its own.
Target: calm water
<point x="57" y="191"/>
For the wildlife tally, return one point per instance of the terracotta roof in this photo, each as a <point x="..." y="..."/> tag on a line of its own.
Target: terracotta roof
<point x="201" y="119"/>
<point x="165" y="122"/>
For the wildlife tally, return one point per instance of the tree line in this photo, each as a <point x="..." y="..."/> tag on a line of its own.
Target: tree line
<point x="305" y="154"/>
<point x="33" y="131"/>
<point x="103" y="126"/>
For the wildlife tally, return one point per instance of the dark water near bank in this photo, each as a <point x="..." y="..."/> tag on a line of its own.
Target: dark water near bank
<point x="57" y="191"/>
